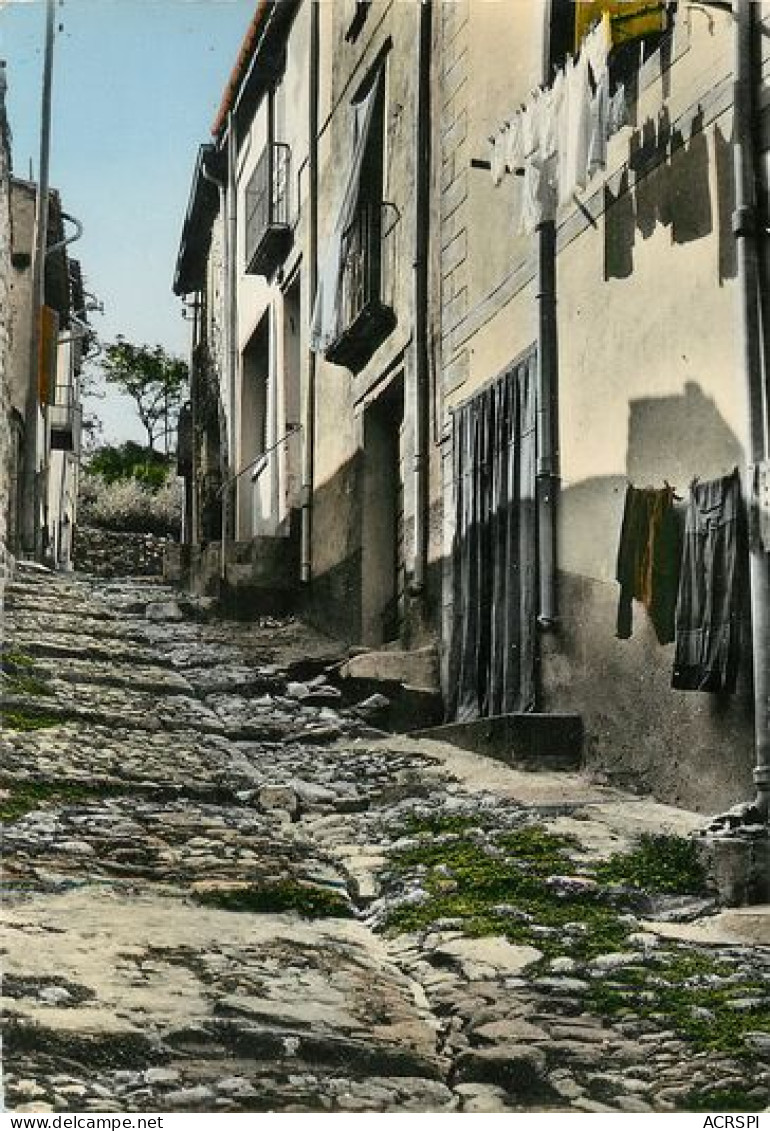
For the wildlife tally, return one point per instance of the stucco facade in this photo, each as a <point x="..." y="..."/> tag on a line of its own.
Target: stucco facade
<point x="650" y="388"/>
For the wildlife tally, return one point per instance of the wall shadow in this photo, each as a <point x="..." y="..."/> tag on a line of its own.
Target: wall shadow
<point x="666" y="185"/>
<point x="676" y="438"/>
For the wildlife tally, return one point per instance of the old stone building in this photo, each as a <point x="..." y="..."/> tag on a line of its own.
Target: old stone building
<point x="476" y="284"/>
<point x="44" y="397"/>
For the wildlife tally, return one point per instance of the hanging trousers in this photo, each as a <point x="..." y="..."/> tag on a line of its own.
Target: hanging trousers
<point x="711" y="584"/>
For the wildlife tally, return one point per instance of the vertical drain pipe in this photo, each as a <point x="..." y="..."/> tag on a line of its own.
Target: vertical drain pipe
<point x="746" y="230"/>
<point x="308" y="450"/>
<point x="231" y="304"/>
<point x="548" y="471"/>
<point x="422" y="175"/>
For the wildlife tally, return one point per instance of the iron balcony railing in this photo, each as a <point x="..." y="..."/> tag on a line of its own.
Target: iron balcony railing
<point x="367" y="279"/>
<point x="268" y="203"/>
<point x="64" y="419"/>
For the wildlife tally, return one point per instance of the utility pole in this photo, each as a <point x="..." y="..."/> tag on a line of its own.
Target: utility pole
<point x="31" y="515"/>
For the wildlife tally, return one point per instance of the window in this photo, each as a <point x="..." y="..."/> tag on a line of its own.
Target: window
<point x="364" y="316"/>
<point x="637" y="29"/>
<point x="268" y="228"/>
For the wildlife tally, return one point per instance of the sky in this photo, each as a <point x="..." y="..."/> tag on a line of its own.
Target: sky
<point x="136" y="86"/>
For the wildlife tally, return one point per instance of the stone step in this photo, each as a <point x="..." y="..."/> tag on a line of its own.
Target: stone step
<point x="531" y="741"/>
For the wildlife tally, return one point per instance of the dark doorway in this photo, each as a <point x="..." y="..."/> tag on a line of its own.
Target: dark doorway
<point x="382" y="585"/>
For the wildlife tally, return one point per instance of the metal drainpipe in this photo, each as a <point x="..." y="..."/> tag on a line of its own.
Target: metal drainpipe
<point x="548" y="470"/>
<point x="308" y="451"/>
<point x="231" y="304"/>
<point x="745" y="229"/>
<point x="420" y="295"/>
<point x="547" y="476"/>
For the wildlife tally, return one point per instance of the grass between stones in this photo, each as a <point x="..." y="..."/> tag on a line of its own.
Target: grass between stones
<point x="704" y="999"/>
<point x="274" y="898"/>
<point x="668" y="864"/>
<point x="724" y="1099"/>
<point x="19" y="798"/>
<point x="19" y="675"/>
<point x="524" y="885"/>
<point x="504" y="884"/>
<point x="24" y="719"/>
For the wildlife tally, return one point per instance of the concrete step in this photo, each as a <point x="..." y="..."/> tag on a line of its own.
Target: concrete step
<point x="529" y="741"/>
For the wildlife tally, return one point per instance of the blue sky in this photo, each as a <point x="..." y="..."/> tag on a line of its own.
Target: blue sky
<point x="135" y="90"/>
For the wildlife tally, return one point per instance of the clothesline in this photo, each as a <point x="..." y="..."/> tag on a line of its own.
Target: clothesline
<point x="557" y="139"/>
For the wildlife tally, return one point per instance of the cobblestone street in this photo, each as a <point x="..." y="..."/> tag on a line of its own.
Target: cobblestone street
<point x="224" y="889"/>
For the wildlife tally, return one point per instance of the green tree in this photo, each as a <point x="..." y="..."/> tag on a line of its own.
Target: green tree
<point x="129" y="461"/>
<point x="153" y="379"/>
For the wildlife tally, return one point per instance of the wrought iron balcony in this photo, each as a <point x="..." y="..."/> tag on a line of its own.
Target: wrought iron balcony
<point x="367" y="277"/>
<point x="268" y="226"/>
<point x="64" y="420"/>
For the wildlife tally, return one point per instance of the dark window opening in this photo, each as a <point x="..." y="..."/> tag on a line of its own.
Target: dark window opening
<point x="365" y="315"/>
<point x="639" y="30"/>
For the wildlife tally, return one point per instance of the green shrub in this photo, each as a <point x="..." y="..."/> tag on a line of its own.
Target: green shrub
<point x="127" y="505"/>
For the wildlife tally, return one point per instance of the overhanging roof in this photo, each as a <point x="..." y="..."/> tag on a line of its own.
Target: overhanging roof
<point x="202" y="209"/>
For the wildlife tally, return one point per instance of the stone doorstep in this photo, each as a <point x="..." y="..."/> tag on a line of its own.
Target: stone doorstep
<point x="739" y="926"/>
<point x="526" y="740"/>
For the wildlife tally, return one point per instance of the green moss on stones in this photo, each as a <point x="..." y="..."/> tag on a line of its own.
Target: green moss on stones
<point x="25" y="719"/>
<point x="734" y="1099"/>
<point x="703" y="999"/>
<point x="505" y="886"/>
<point x="668" y="864"/>
<point x="20" y="798"/>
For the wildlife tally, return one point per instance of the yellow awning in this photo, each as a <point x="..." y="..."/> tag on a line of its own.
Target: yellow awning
<point x="628" y="19"/>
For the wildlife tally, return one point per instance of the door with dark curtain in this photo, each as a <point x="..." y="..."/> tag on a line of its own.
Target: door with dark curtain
<point x="494" y="553"/>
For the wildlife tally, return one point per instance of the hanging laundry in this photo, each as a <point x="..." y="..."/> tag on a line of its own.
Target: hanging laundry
<point x="514" y="150"/>
<point x="539" y="194"/>
<point x="648" y="560"/>
<point x="550" y="115"/>
<point x="617" y="114"/>
<point x="574" y="125"/>
<point x="497" y="158"/>
<point x="712" y="582"/>
<point x="595" y="48"/>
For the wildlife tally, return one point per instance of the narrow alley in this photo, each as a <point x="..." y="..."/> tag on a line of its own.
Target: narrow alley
<point x="226" y="890"/>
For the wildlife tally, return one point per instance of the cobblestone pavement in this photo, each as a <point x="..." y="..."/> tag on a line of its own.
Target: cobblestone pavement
<point x="224" y="890"/>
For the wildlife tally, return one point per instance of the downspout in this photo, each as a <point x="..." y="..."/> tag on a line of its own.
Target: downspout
<point x="746" y="231"/>
<point x="308" y="450"/>
<point x="548" y="469"/>
<point x="422" y="167"/>
<point x="76" y="235"/>
<point x="231" y="321"/>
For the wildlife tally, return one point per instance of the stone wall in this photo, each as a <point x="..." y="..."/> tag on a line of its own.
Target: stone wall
<point x="108" y="553"/>
<point x="5" y="271"/>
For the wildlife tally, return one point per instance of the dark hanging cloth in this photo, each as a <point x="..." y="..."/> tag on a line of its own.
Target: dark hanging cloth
<point x="709" y="609"/>
<point x="648" y="560"/>
<point x="492" y="659"/>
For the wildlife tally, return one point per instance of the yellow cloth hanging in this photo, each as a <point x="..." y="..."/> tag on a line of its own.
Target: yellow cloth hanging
<point x="628" y="19"/>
